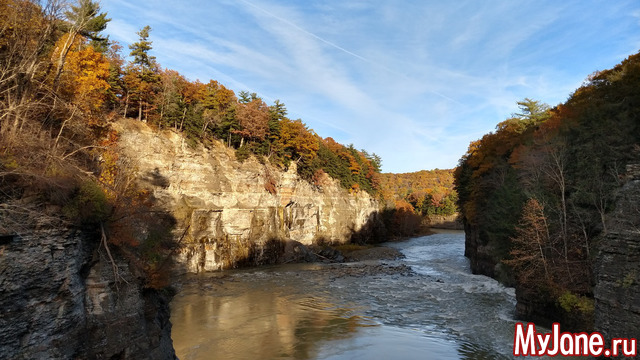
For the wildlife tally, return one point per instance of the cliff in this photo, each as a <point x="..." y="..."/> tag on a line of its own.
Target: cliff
<point x="617" y="273"/>
<point x="449" y="222"/>
<point x="485" y="256"/>
<point x="617" y="290"/>
<point x="239" y="213"/>
<point x="60" y="299"/>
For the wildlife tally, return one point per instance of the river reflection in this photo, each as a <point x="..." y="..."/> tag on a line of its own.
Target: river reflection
<point x="315" y="311"/>
<point x="235" y="317"/>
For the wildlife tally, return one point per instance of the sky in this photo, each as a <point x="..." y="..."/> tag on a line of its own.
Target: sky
<point x="414" y="81"/>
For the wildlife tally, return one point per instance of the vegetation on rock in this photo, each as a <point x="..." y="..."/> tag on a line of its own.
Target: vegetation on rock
<point x="538" y="190"/>
<point x="62" y="84"/>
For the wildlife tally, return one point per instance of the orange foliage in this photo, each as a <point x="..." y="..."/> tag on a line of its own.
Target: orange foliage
<point x="414" y="186"/>
<point x="84" y="79"/>
<point x="108" y="164"/>
<point x="297" y="140"/>
<point x="254" y="119"/>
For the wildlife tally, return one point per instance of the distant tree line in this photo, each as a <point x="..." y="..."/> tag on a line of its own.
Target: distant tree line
<point x="428" y="192"/>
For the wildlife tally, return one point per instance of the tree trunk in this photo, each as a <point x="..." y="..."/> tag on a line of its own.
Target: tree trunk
<point x="63" y="56"/>
<point x="126" y="105"/>
<point x="184" y="114"/>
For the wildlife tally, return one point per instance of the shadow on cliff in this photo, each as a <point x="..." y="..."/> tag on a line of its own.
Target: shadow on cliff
<point x="388" y="225"/>
<point x="381" y="226"/>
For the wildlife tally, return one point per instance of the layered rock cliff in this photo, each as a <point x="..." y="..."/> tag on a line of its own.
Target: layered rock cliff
<point x="60" y="299"/>
<point x="617" y="290"/>
<point x="238" y="213"/>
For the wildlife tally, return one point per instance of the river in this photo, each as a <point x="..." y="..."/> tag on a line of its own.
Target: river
<point x="311" y="311"/>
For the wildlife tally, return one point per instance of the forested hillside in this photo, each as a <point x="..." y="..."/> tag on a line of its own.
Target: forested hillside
<point x="536" y="193"/>
<point x="62" y="85"/>
<point x="429" y="192"/>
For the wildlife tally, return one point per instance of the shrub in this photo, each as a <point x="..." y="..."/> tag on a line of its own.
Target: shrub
<point x="242" y="153"/>
<point x="571" y="302"/>
<point x="89" y="205"/>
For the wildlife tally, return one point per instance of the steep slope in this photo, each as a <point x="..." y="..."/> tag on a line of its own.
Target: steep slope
<point x="617" y="290"/>
<point x="549" y="204"/>
<point x="239" y="213"/>
<point x="60" y="299"/>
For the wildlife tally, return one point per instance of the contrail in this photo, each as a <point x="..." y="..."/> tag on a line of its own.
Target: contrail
<point x="339" y="47"/>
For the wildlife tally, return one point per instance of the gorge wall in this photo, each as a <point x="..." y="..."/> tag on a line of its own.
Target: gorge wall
<point x="617" y="273"/>
<point x="617" y="290"/>
<point x="239" y="213"/>
<point x="60" y="299"/>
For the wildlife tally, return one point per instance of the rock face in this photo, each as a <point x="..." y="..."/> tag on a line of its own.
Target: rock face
<point x="448" y="222"/>
<point x="238" y="213"/>
<point x="617" y="290"/>
<point x="483" y="256"/>
<point x="60" y="300"/>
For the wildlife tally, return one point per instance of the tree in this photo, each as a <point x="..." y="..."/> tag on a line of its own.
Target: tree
<point x="219" y="110"/>
<point x="141" y="78"/>
<point x="254" y="118"/>
<point x="115" y="93"/>
<point x="27" y="31"/>
<point x="170" y="98"/>
<point x="376" y="161"/>
<point x="244" y="97"/>
<point x="297" y="141"/>
<point x="140" y="50"/>
<point x="532" y="110"/>
<point x="85" y="80"/>
<point x="86" y="20"/>
<point x="530" y="246"/>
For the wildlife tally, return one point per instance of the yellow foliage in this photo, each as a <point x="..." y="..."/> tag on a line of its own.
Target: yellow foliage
<point x="84" y="79"/>
<point x="298" y="140"/>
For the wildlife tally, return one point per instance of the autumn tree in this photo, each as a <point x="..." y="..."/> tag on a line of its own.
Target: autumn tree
<point x="531" y="246"/>
<point x="404" y="221"/>
<point x="141" y="76"/>
<point x="26" y="32"/>
<point x="298" y="142"/>
<point x="85" y="20"/>
<point x="254" y="120"/>
<point x="220" y="105"/>
<point x="86" y="74"/>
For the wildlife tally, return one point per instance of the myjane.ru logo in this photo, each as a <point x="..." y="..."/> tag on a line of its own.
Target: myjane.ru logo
<point x="529" y="342"/>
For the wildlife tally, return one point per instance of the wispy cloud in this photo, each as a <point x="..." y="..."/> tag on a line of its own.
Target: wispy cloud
<point x="413" y="81"/>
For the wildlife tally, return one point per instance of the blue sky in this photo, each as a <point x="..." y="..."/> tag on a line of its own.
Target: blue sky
<point x="413" y="81"/>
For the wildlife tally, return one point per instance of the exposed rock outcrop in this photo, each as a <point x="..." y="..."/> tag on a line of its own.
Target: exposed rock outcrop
<point x="449" y="222"/>
<point x="617" y="290"/>
<point x="60" y="300"/>
<point x="238" y="213"/>
<point x="483" y="256"/>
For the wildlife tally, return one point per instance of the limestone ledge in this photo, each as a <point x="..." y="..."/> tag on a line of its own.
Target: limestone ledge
<point x="231" y="218"/>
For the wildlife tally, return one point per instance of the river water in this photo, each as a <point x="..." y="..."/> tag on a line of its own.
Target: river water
<point x="312" y="311"/>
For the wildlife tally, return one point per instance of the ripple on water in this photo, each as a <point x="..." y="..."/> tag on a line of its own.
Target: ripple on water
<point x="308" y="312"/>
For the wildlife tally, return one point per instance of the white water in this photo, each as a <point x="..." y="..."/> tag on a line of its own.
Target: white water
<point x="308" y="312"/>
